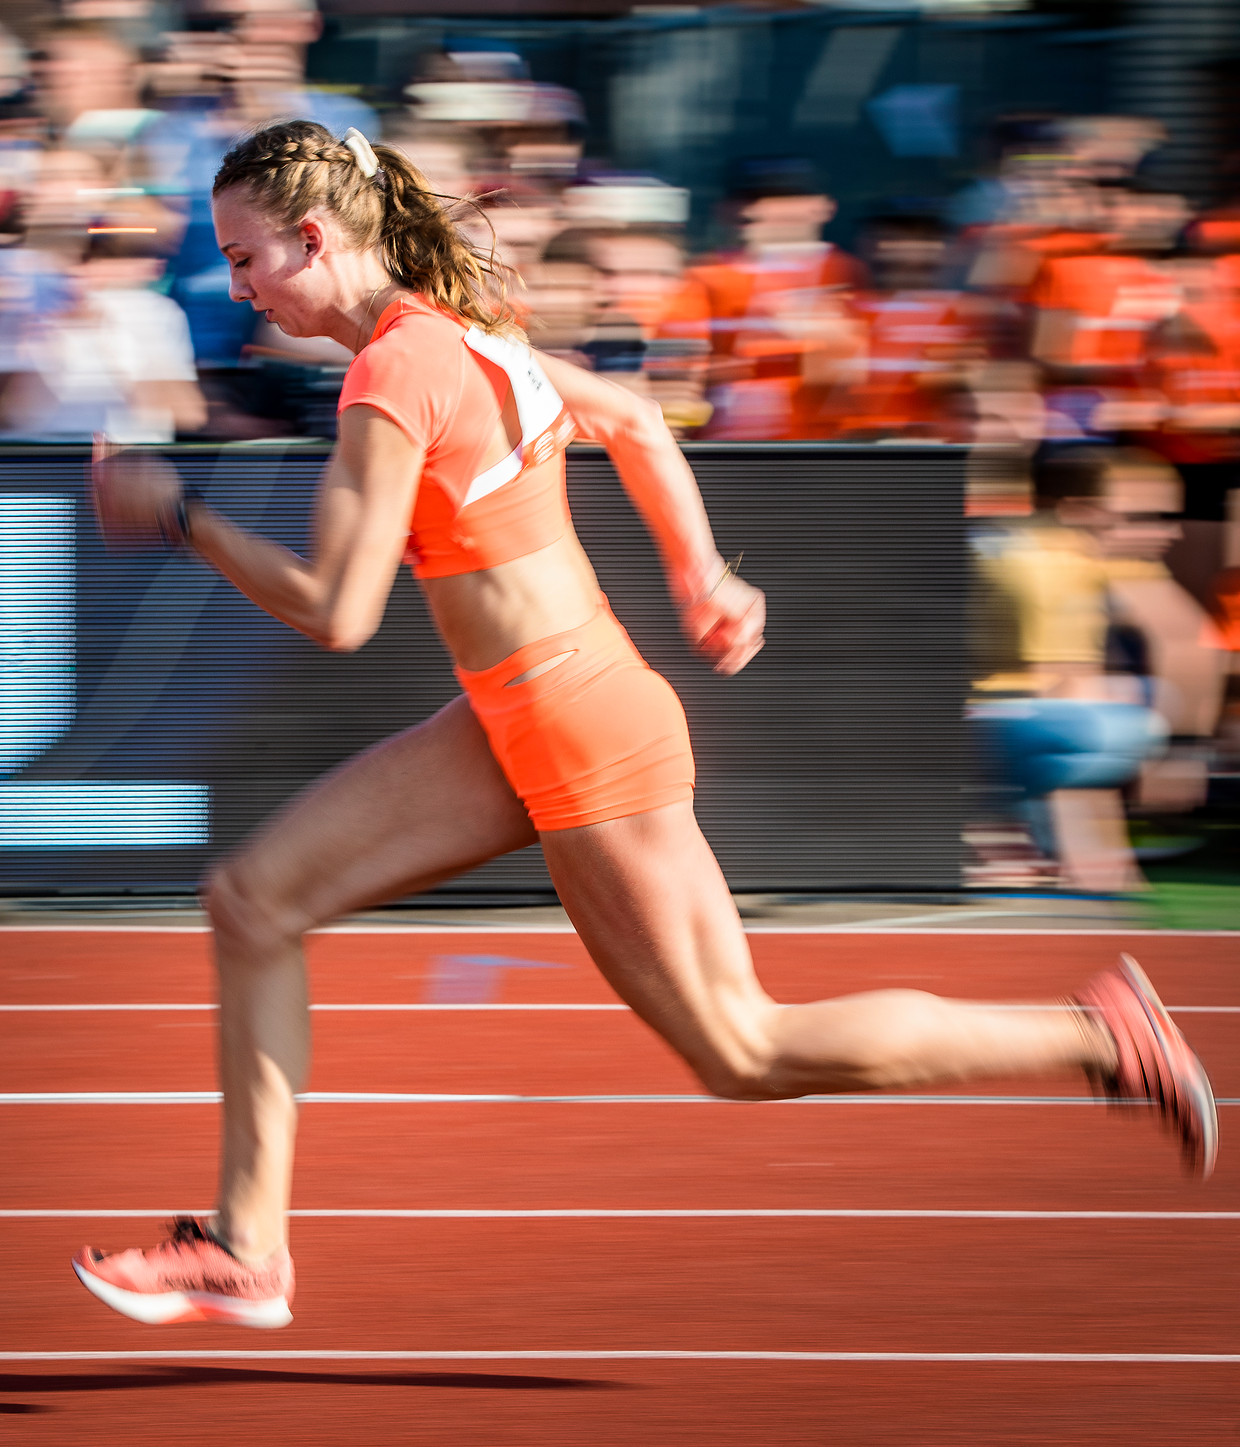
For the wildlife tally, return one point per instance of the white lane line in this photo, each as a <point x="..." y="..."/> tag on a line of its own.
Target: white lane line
<point x="365" y="1097"/>
<point x="89" y="1009"/>
<point x="439" y="927"/>
<point x="573" y="1213"/>
<point x="396" y="1007"/>
<point x="579" y="1355"/>
<point x="399" y="1007"/>
<point x="883" y="927"/>
<point x="897" y="922"/>
<point x="755" y="927"/>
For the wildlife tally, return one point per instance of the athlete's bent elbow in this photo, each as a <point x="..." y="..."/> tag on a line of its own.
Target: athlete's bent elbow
<point x="645" y="424"/>
<point x="344" y="629"/>
<point x="345" y="640"/>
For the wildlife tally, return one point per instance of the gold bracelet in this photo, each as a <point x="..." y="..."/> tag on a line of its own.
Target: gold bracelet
<point x="730" y="570"/>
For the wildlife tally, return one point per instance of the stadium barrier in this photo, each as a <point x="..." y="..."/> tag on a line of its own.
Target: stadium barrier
<point x="150" y="716"/>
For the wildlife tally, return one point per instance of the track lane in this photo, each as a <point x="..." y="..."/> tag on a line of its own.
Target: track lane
<point x="713" y="1285"/>
<point x="122" y="966"/>
<point x="526" y="1053"/>
<point x="709" y="1155"/>
<point x="723" y="1404"/>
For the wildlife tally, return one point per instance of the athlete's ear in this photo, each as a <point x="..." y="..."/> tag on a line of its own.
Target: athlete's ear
<point x="312" y="238"/>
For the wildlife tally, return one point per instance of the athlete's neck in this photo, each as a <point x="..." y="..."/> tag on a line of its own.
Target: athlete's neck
<point x="361" y="299"/>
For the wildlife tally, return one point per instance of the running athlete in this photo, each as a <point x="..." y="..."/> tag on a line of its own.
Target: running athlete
<point x="451" y="447"/>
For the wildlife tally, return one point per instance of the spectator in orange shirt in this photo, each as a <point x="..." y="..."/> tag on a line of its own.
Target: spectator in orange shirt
<point x="1195" y="361"/>
<point x="923" y="338"/>
<point x="1094" y="315"/>
<point x="780" y="325"/>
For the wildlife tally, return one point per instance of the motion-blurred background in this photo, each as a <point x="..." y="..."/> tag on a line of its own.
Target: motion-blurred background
<point x="944" y="302"/>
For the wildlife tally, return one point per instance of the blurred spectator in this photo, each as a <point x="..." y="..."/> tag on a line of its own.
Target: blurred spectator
<point x="1095" y="313"/>
<point x="112" y="356"/>
<point x="87" y="89"/>
<point x="1109" y="658"/>
<point x="622" y="264"/>
<point x="1054" y="728"/>
<point x="251" y="73"/>
<point x="784" y="296"/>
<point x="13" y="67"/>
<point x="1225" y="608"/>
<point x="520" y="130"/>
<point x="923" y="339"/>
<point x="1060" y="299"/>
<point x="562" y="295"/>
<point x="1180" y="651"/>
<point x="641" y="286"/>
<point x="1226" y="588"/>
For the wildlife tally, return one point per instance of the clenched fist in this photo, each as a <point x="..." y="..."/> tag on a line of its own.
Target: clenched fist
<point x="727" y="624"/>
<point x="135" y="496"/>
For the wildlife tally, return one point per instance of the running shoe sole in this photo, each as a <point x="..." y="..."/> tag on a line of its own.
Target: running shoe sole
<point x="169" y="1307"/>
<point x="1190" y="1075"/>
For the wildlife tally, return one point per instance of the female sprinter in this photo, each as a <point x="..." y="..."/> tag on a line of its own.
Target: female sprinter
<point x="452" y="434"/>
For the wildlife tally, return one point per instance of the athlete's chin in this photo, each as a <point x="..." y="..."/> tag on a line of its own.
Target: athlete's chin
<point x="292" y="326"/>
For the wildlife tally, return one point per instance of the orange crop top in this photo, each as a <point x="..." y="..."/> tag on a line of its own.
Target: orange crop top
<point x="444" y="384"/>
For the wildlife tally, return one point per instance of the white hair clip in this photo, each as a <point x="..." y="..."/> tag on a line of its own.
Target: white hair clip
<point x="367" y="161"/>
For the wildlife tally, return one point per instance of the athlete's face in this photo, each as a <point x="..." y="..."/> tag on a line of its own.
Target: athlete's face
<point x="272" y="267"/>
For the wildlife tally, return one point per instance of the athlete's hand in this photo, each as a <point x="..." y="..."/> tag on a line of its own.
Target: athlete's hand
<point x="726" y="625"/>
<point x="132" y="492"/>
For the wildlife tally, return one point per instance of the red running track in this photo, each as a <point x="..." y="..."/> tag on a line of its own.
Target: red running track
<point x="519" y="1279"/>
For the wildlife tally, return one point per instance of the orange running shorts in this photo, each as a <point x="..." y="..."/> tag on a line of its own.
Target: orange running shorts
<point x="598" y="736"/>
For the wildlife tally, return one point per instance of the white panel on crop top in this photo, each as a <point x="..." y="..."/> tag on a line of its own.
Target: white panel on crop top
<point x="539" y="409"/>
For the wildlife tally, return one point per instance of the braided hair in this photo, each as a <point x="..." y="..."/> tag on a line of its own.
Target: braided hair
<point x="293" y="166"/>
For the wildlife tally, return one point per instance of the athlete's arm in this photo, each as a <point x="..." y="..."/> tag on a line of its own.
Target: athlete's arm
<point x="651" y="466"/>
<point x="361" y="522"/>
<point x="722" y="614"/>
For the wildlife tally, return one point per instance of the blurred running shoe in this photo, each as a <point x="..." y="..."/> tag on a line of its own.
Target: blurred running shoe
<point x="1155" y="1062"/>
<point x="190" y="1277"/>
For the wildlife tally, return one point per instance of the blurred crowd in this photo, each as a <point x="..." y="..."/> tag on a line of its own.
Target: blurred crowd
<point x="1058" y="298"/>
<point x="1078" y="325"/>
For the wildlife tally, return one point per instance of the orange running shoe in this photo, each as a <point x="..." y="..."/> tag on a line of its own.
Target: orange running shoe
<point x="1155" y="1061"/>
<point x="189" y="1277"/>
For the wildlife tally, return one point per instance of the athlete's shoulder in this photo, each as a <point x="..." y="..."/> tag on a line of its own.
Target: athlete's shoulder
<point x="410" y="369"/>
<point x="412" y="341"/>
<point x="411" y="323"/>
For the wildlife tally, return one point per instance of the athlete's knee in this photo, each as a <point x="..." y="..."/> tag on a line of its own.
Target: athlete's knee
<point x="244" y="909"/>
<point x="737" y="1080"/>
<point x="740" y="1063"/>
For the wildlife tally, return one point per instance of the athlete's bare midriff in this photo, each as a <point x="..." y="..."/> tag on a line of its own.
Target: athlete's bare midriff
<point x="485" y="616"/>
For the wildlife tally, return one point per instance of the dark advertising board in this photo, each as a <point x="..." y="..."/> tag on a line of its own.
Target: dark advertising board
<point x="150" y="715"/>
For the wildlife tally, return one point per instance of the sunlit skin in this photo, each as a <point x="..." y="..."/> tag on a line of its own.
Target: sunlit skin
<point x="644" y="892"/>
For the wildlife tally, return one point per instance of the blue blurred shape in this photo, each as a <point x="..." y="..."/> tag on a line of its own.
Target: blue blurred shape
<point x="918" y="120"/>
<point x="74" y="815"/>
<point x="37" y="588"/>
<point x="474" y="979"/>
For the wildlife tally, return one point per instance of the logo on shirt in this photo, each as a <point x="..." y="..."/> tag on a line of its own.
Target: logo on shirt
<point x="553" y="440"/>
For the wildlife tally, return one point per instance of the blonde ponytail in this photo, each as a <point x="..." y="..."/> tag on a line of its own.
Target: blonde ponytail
<point x="294" y="166"/>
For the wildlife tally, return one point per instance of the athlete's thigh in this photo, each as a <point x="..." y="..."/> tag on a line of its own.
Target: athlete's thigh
<point x="652" y="907"/>
<point x="413" y="810"/>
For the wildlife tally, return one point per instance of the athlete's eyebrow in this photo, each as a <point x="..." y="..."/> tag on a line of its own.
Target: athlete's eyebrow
<point x="227" y="246"/>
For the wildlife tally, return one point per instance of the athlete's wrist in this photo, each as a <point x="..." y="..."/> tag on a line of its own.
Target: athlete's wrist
<point x="713" y="578"/>
<point x="698" y="580"/>
<point x="176" y="519"/>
